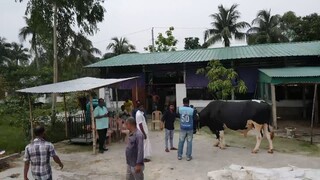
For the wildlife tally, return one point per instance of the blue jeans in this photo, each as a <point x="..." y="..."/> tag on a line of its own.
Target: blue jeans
<point x="185" y="134"/>
<point x="169" y="136"/>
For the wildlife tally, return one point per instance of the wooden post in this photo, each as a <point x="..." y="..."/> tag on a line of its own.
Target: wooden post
<point x="274" y="106"/>
<point x="304" y="102"/>
<point x="313" y="112"/>
<point x="31" y="118"/>
<point x="65" y="114"/>
<point x="93" y="127"/>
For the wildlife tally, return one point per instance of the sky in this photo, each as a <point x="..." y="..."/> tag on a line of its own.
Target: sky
<point x="134" y="19"/>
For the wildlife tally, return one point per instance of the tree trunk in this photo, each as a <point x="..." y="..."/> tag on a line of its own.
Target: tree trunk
<point x="55" y="57"/>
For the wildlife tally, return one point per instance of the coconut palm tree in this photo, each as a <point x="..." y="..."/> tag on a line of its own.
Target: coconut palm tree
<point x="120" y="46"/>
<point x="29" y="30"/>
<point x="266" y="30"/>
<point x="19" y="55"/>
<point x="225" y="26"/>
<point x="4" y="52"/>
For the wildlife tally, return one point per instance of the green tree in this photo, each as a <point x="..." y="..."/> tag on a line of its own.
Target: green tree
<point x="267" y="29"/>
<point x="192" y="43"/>
<point x="18" y="55"/>
<point x="81" y="53"/>
<point x="120" y="46"/>
<point x="4" y="52"/>
<point x="307" y="28"/>
<point x="225" y="26"/>
<point x="30" y="30"/>
<point x="287" y="23"/>
<point x="221" y="80"/>
<point x="57" y="21"/>
<point x="164" y="43"/>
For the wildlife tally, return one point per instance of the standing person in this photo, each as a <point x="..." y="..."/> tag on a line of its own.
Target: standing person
<point x="134" y="111"/>
<point x="187" y="115"/>
<point x="38" y="154"/>
<point x="102" y="124"/>
<point x="168" y="118"/>
<point x="142" y="126"/>
<point x="134" y="152"/>
<point x="128" y="105"/>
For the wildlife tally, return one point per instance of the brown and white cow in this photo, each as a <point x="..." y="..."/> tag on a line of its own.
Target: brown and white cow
<point x="246" y="115"/>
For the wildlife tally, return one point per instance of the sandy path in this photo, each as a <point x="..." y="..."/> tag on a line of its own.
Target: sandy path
<point x="165" y="166"/>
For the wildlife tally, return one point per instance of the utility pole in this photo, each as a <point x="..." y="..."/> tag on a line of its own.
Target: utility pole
<point x="55" y="55"/>
<point x="152" y="37"/>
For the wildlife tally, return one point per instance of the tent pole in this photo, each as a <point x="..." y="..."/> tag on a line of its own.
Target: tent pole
<point x="274" y="106"/>
<point x="31" y="123"/>
<point x="65" y="114"/>
<point x="313" y="112"/>
<point x="93" y="127"/>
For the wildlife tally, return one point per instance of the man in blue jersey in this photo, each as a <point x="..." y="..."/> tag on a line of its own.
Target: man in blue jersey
<point x="187" y="116"/>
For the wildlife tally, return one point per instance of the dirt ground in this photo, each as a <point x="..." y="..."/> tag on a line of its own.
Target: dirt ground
<point x="80" y="164"/>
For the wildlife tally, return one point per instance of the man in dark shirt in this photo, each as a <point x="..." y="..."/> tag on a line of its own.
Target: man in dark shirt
<point x="168" y="118"/>
<point x="134" y="152"/>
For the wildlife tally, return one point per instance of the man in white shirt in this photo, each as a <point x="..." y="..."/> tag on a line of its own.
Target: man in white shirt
<point x="143" y="127"/>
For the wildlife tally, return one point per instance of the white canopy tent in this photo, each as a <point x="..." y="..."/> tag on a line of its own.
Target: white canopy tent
<point x="85" y="84"/>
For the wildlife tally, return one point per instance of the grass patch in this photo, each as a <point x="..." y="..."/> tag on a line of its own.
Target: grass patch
<point x="283" y="145"/>
<point x="12" y="139"/>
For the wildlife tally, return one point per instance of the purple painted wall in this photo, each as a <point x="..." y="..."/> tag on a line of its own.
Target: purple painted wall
<point x="194" y="80"/>
<point x="131" y="83"/>
<point x="249" y="76"/>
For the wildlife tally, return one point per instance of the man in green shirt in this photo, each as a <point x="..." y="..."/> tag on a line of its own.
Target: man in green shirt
<point x="102" y="123"/>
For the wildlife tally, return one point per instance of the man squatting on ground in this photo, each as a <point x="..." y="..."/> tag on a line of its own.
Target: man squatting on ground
<point x="134" y="151"/>
<point x="187" y="115"/>
<point x="102" y="124"/>
<point x="38" y="154"/>
<point x="168" y="118"/>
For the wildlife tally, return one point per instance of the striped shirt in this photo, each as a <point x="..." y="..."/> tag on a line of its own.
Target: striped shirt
<point x="38" y="153"/>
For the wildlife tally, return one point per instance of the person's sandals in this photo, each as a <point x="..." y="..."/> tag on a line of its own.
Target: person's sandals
<point x="146" y="160"/>
<point x="173" y="149"/>
<point x="167" y="150"/>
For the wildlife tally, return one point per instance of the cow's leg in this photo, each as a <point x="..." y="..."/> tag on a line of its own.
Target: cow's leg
<point x="217" y="140"/>
<point x="258" y="129"/>
<point x="222" y="144"/>
<point x="268" y="135"/>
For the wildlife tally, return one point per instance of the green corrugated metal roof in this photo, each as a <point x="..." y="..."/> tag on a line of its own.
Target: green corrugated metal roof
<point x="290" y="75"/>
<point x="202" y="55"/>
